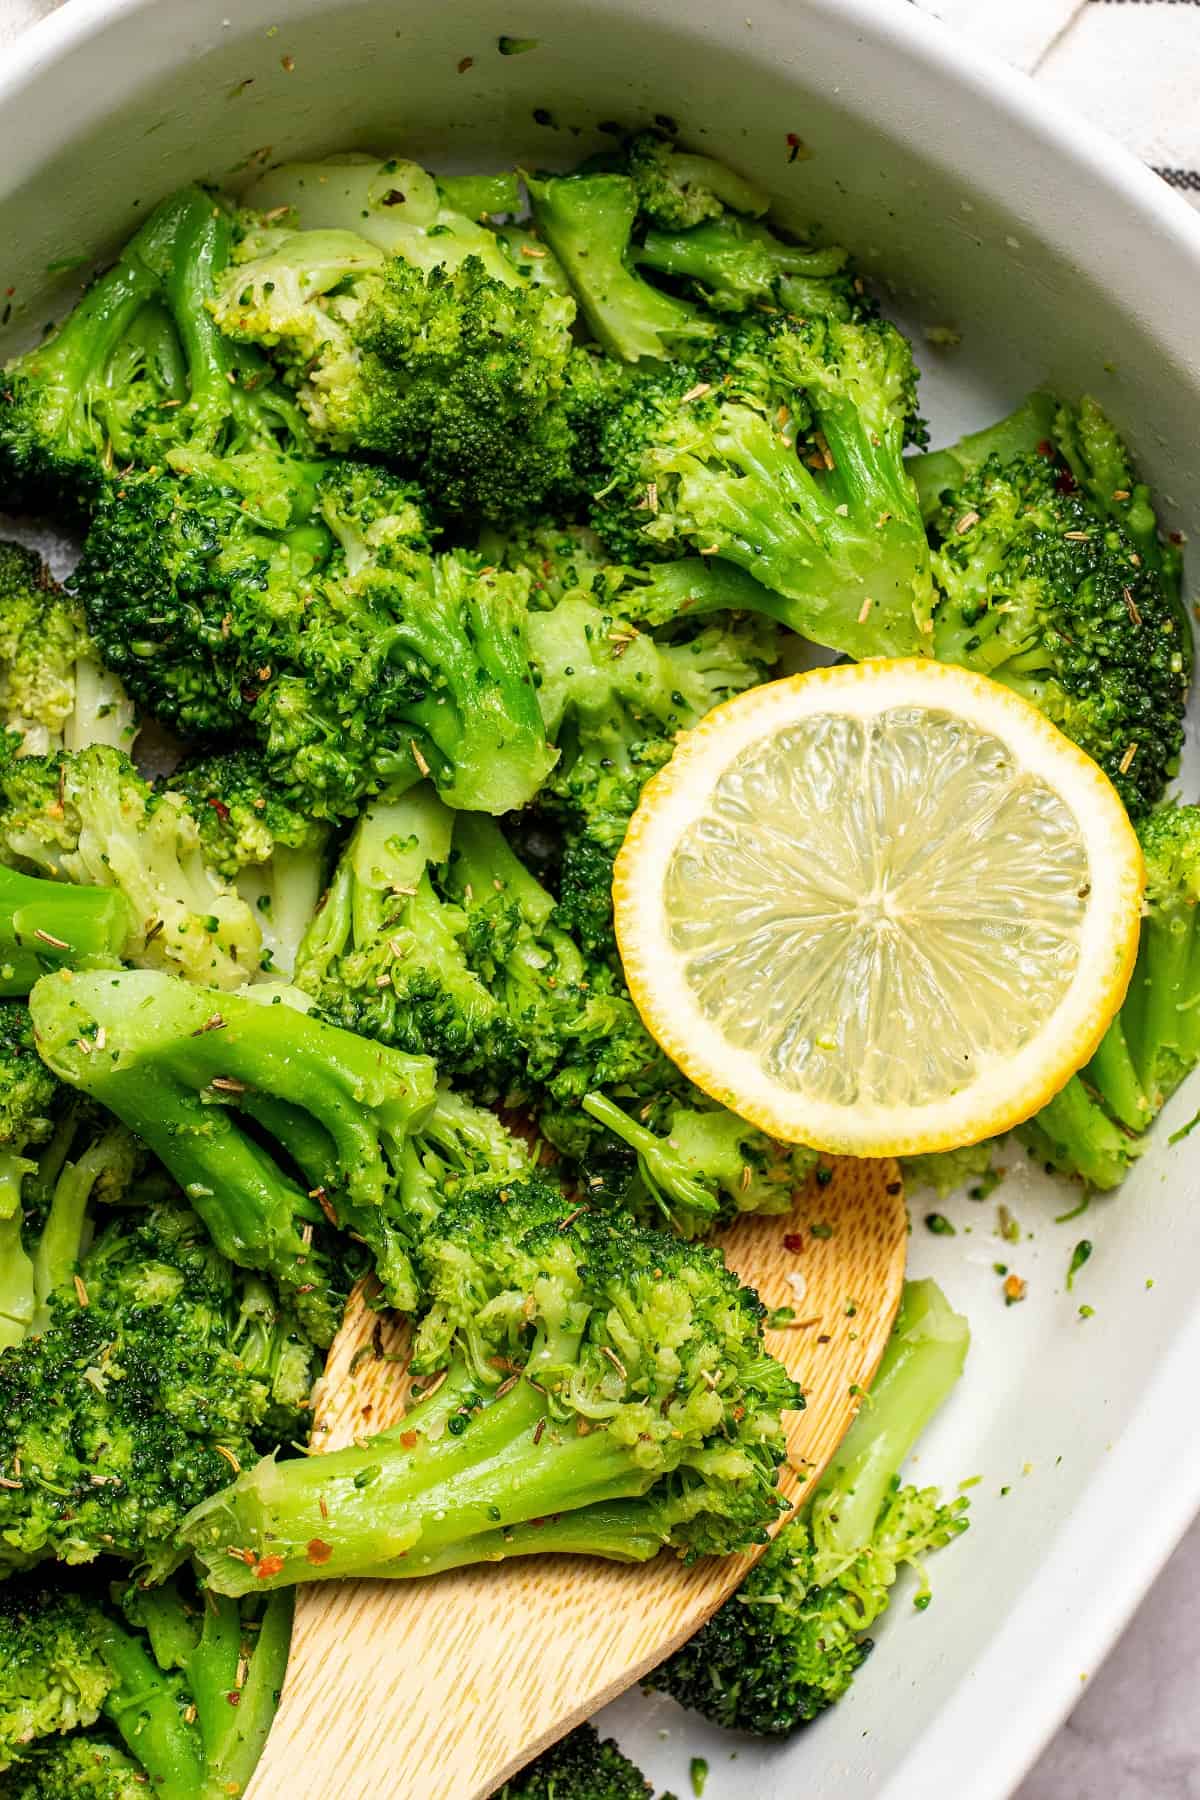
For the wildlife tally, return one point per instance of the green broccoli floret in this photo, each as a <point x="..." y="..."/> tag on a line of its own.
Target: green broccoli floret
<point x="581" y="1766"/>
<point x="937" y="473"/>
<point x="588" y="222"/>
<point x="307" y="612"/>
<point x="947" y="1170"/>
<point x="266" y="844"/>
<point x="179" y="1063"/>
<point x="782" y="452"/>
<point x="53" y="692"/>
<point x="149" y="1370"/>
<point x="384" y="954"/>
<point x="91" y="820"/>
<point x="1095" y="1127"/>
<point x="85" y="1766"/>
<point x="161" y="1676"/>
<point x="139" y="368"/>
<point x="1044" y="592"/>
<point x="450" y="371"/>
<point x="677" y="188"/>
<point x="789" y="1642"/>
<point x="736" y="265"/>
<point x="590" y="1368"/>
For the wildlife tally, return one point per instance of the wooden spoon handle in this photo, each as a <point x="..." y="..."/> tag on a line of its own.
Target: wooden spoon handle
<point x="439" y="1689"/>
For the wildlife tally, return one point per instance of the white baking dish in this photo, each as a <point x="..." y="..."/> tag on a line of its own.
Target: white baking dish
<point x="1058" y="258"/>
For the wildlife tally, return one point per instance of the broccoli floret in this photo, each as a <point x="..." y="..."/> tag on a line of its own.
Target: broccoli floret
<point x="149" y="1364"/>
<point x="53" y="692"/>
<point x="178" y="1064"/>
<point x="581" y="1766"/>
<point x="449" y="371"/>
<point x="937" y="473"/>
<point x="308" y="613"/>
<point x="947" y="1170"/>
<point x="1095" y="1127"/>
<point x="590" y="1366"/>
<point x="1042" y="591"/>
<point x="139" y="368"/>
<point x="85" y="1766"/>
<point x="789" y="1642"/>
<point x="90" y="819"/>
<point x="588" y="222"/>
<point x="782" y="452"/>
<point x="267" y="844"/>
<point x="736" y="265"/>
<point x="708" y="1165"/>
<point x="161" y="1675"/>
<point x="677" y="188"/>
<point x="384" y="955"/>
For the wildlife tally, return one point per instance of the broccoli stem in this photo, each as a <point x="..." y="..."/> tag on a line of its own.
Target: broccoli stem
<point x="662" y="1166"/>
<point x="1161" y="1014"/>
<point x="923" y="1360"/>
<point x="588" y="221"/>
<point x="241" y="1739"/>
<point x="17" y="1298"/>
<point x="53" y="924"/>
<point x="146" y="1713"/>
<point x="408" y="1500"/>
<point x="60" y="1245"/>
<point x="1113" y="1071"/>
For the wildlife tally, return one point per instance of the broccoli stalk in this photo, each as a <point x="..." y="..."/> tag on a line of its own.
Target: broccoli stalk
<point x="782" y="452"/>
<point x="1095" y="1126"/>
<point x="48" y="925"/>
<point x="53" y="692"/>
<point x="177" y="1062"/>
<point x="161" y="1677"/>
<point x="789" y="1642"/>
<point x="588" y="222"/>
<point x="547" y="1392"/>
<point x="737" y="264"/>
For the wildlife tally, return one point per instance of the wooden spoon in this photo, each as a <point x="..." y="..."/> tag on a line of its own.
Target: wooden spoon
<point x="440" y="1689"/>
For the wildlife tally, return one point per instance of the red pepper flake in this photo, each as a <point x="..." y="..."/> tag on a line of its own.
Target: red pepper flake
<point x="318" y="1552"/>
<point x="794" y="1241"/>
<point x="220" y="808"/>
<point x="1046" y="448"/>
<point x="1066" y="482"/>
<point x="409" y="1439"/>
<point x="1014" y="1290"/>
<point x="233" y="1697"/>
<point x="798" y="150"/>
<point x="269" y="1566"/>
<point x="468" y="62"/>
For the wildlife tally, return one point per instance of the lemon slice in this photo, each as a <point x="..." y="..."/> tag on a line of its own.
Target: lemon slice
<point x="879" y="909"/>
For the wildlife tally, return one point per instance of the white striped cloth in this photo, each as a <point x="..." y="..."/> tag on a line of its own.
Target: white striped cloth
<point x="1133" y="66"/>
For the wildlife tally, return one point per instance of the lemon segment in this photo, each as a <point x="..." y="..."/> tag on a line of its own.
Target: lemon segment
<point x="880" y="909"/>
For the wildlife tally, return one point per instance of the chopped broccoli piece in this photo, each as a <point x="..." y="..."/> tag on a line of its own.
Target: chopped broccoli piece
<point x="48" y="925"/>
<point x="736" y="265"/>
<point x="1044" y="592"/>
<point x="937" y="473"/>
<point x="178" y="1064"/>
<point x="581" y="1766"/>
<point x="1095" y="1127"/>
<point x="677" y="188"/>
<point x="588" y="222"/>
<point x="782" y="452"/>
<point x="53" y="692"/>
<point x="789" y="1642"/>
<point x="587" y="1363"/>
<point x="947" y="1170"/>
<point x="84" y="1766"/>
<point x="90" y="819"/>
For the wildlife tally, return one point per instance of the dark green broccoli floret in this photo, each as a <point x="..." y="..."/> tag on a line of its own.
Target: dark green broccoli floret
<point x="789" y="1642"/>
<point x="140" y="369"/>
<point x="162" y="1677"/>
<point x="581" y="1766"/>
<point x="306" y="611"/>
<point x="266" y="844"/>
<point x="591" y="1369"/>
<point x="179" y="1063"/>
<point x="384" y="954"/>
<point x="736" y="265"/>
<point x="1095" y="1127"/>
<point x="148" y="1371"/>
<point x="452" y="371"/>
<point x="677" y="188"/>
<point x="91" y="820"/>
<point x="1044" y="592"/>
<point x="782" y="452"/>
<point x="588" y="222"/>
<point x="53" y="692"/>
